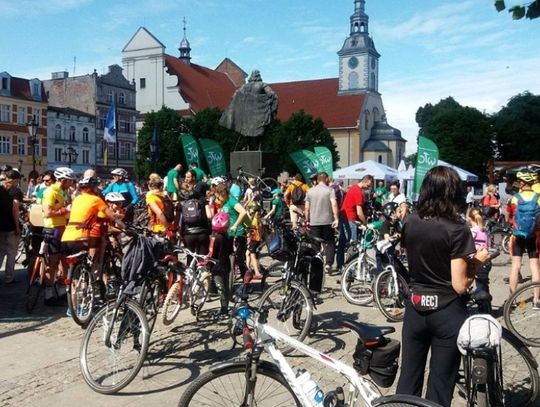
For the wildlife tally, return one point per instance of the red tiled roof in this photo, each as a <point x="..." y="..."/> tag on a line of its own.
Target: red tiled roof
<point x="319" y="98"/>
<point x="20" y="89"/>
<point x="201" y="87"/>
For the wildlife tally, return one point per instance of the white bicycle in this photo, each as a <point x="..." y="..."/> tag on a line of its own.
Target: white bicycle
<point x="250" y="381"/>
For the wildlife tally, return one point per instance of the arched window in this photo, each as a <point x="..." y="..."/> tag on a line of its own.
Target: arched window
<point x="376" y="114"/>
<point x="379" y="159"/>
<point x="72" y="133"/>
<point x="58" y="132"/>
<point x="122" y="98"/>
<point x="362" y="28"/>
<point x="353" y="80"/>
<point x="372" y="82"/>
<point x="85" y="135"/>
<point x="110" y="96"/>
<point x="366" y="119"/>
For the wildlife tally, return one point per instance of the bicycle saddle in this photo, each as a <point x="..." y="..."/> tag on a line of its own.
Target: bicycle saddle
<point x="367" y="332"/>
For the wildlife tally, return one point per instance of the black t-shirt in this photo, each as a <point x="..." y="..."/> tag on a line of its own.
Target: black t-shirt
<point x="389" y="228"/>
<point x="431" y="244"/>
<point x="7" y="223"/>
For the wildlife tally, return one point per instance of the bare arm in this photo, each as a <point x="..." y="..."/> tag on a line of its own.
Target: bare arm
<point x="360" y="214"/>
<point x="464" y="270"/>
<point x="335" y="212"/>
<point x="306" y="211"/>
<point x="241" y="215"/>
<point x="158" y="212"/>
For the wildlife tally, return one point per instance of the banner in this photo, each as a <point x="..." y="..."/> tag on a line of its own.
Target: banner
<point x="307" y="162"/>
<point x="427" y="157"/>
<point x="214" y="157"/>
<point x="191" y="149"/>
<point x="325" y="159"/>
<point x="109" y="131"/>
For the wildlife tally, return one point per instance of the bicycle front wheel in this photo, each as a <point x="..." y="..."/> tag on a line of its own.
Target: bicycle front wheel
<point x="520" y="315"/>
<point x="149" y="300"/>
<point x="172" y="304"/>
<point x="390" y="295"/>
<point x="35" y="284"/>
<point x="357" y="280"/>
<point x="290" y="309"/>
<point x="267" y="185"/>
<point x="108" y="369"/>
<point x="402" y="400"/>
<point x="200" y="291"/>
<point x="227" y="387"/>
<point x="80" y="293"/>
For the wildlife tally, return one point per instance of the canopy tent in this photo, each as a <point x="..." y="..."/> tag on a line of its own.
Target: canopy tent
<point x="369" y="167"/>
<point x="463" y="174"/>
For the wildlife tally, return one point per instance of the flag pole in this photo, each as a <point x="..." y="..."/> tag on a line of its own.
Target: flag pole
<point x="117" y="130"/>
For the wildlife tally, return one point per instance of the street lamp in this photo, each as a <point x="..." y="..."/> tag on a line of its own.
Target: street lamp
<point x="32" y="131"/>
<point x="70" y="156"/>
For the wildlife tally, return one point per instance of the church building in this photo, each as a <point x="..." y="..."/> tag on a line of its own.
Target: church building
<point x="350" y="105"/>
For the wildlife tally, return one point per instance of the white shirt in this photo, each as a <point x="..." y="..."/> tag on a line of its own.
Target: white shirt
<point x="399" y="198"/>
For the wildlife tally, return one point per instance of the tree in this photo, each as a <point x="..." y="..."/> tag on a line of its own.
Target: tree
<point x="410" y="159"/>
<point x="529" y="10"/>
<point x="462" y="134"/>
<point x="517" y="128"/>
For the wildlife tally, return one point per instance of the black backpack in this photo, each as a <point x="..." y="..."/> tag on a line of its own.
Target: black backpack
<point x="192" y="212"/>
<point x="298" y="195"/>
<point x="168" y="208"/>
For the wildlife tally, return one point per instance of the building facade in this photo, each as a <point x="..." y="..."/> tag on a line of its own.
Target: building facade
<point x="21" y="101"/>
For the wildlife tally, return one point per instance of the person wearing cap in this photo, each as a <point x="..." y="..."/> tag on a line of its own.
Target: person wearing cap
<point x="11" y="198"/>
<point x="520" y="245"/>
<point x="276" y="213"/>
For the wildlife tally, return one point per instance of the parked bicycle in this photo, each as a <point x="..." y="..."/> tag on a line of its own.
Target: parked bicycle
<point x="265" y="185"/>
<point x="521" y="313"/>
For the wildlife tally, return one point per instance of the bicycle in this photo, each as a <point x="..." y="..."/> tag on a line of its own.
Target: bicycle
<point x="360" y="270"/>
<point x="251" y="381"/>
<point x="190" y="288"/>
<point x="265" y="185"/>
<point x="519" y="315"/>
<point x="25" y="238"/>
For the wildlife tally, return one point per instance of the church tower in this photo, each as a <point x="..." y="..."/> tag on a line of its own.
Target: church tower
<point x="184" y="48"/>
<point x="358" y="58"/>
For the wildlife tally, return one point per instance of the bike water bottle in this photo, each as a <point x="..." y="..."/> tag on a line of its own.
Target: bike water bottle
<point x="309" y="387"/>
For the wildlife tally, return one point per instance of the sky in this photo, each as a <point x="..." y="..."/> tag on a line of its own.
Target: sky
<point x="430" y="49"/>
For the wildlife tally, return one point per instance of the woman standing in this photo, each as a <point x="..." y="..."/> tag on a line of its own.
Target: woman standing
<point x="442" y="263"/>
<point x="491" y="202"/>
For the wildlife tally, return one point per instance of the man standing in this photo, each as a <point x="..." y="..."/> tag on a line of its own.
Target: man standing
<point x="322" y="214"/>
<point x="352" y="211"/>
<point x="173" y="185"/>
<point x="11" y="198"/>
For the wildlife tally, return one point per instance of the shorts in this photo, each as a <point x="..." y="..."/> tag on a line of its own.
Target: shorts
<point x="253" y="246"/>
<point x="324" y="232"/>
<point x="519" y="245"/>
<point x="55" y="237"/>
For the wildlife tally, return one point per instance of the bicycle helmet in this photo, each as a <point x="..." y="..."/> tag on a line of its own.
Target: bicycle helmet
<point x="526" y="176"/>
<point x="64" y="173"/>
<point x="90" y="182"/>
<point x="389" y="209"/>
<point x="235" y="190"/>
<point x="217" y="181"/>
<point x="114" y="197"/>
<point x="220" y="222"/>
<point x="276" y="191"/>
<point x="120" y="172"/>
<point x="254" y="206"/>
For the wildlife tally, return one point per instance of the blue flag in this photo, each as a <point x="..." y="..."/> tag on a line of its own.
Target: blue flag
<point x="154" y="145"/>
<point x="109" y="132"/>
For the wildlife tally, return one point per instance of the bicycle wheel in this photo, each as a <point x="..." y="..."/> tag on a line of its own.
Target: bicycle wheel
<point x="226" y="386"/>
<point x="357" y="280"/>
<point x="500" y="240"/>
<point x="149" y="301"/>
<point x="266" y="186"/>
<point x="200" y="291"/>
<point x="276" y="270"/>
<point x="519" y="315"/>
<point x="173" y="303"/>
<point x="109" y="369"/>
<point x="402" y="400"/>
<point x="391" y="302"/>
<point x="35" y="285"/>
<point x="80" y="293"/>
<point x="290" y="309"/>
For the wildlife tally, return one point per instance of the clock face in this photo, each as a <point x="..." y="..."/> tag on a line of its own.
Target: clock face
<point x="353" y="62"/>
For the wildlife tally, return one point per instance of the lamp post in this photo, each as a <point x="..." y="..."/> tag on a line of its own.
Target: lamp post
<point x="70" y="156"/>
<point x="32" y="131"/>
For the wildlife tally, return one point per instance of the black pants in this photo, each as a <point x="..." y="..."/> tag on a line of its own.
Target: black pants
<point x="328" y="234"/>
<point x="197" y="243"/>
<point x="438" y="331"/>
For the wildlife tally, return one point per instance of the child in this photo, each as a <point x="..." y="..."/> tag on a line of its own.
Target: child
<point x="481" y="240"/>
<point x="276" y="212"/>
<point x="255" y="234"/>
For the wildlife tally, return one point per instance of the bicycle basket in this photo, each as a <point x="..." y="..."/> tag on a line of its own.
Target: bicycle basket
<point x="380" y="362"/>
<point x="277" y="246"/>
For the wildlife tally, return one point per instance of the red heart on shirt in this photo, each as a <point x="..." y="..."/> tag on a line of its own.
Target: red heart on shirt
<point x="416" y="298"/>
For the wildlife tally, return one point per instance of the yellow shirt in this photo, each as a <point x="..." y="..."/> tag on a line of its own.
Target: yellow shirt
<point x="54" y="199"/>
<point x="536" y="188"/>
<point x="86" y="218"/>
<point x="154" y="196"/>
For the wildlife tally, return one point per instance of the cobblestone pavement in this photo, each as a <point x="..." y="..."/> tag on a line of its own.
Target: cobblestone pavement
<point x="39" y="352"/>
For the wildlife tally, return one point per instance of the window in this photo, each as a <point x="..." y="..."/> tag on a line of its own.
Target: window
<point x="142" y="83"/>
<point x="37" y="116"/>
<point x="21" y="115"/>
<point x="5" y="83"/>
<point x="110" y="96"/>
<point x="5" y="145"/>
<point x="366" y="117"/>
<point x="58" y="155"/>
<point x="72" y="133"/>
<point x="122" y="98"/>
<point x="85" y="157"/>
<point x="125" y="151"/>
<point x="379" y="159"/>
<point x="111" y="150"/>
<point x="101" y="123"/>
<point x="35" y="88"/>
<point x="353" y="80"/>
<point x="376" y="116"/>
<point x="58" y="132"/>
<point x="21" y="145"/>
<point x="85" y="135"/>
<point x="37" y="148"/>
<point x="372" y="82"/>
<point x="5" y="111"/>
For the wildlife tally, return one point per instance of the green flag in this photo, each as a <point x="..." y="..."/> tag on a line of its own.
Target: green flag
<point x="427" y="157"/>
<point x="214" y="157"/>
<point x="191" y="149"/>
<point x="307" y="162"/>
<point x="325" y="159"/>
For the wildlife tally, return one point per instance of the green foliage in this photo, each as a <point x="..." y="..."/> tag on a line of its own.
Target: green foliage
<point x="410" y="159"/>
<point x="517" y="128"/>
<point x="462" y="134"/>
<point x="530" y="10"/>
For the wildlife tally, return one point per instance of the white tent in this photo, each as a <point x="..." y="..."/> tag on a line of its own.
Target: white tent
<point x="463" y="174"/>
<point x="369" y="167"/>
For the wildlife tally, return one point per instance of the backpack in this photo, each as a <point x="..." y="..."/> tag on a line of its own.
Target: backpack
<point x="526" y="216"/>
<point x="192" y="212"/>
<point x="168" y="208"/>
<point x="298" y="195"/>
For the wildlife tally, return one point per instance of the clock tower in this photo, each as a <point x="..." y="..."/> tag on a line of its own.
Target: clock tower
<point x="358" y="58"/>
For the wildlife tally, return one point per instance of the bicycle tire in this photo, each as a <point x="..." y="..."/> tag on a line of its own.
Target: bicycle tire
<point x="80" y="293"/>
<point x="267" y="185"/>
<point x="275" y="270"/>
<point x="497" y="241"/>
<point x="149" y="301"/>
<point x="222" y="386"/>
<point x="100" y="367"/>
<point x="506" y="243"/>
<point x="290" y="310"/>
<point x="173" y="303"/>
<point x="200" y="290"/>
<point x="357" y="285"/>
<point x="403" y="400"/>
<point x="35" y="285"/>
<point x="519" y="316"/>
<point x="394" y="309"/>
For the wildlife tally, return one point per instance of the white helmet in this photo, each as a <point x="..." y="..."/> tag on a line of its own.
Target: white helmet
<point x="120" y="172"/>
<point x="218" y="180"/>
<point x="114" y="197"/>
<point x="90" y="182"/>
<point x="64" y="173"/>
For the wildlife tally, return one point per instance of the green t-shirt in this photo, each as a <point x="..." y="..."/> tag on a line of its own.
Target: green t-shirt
<point x="199" y="174"/>
<point x="171" y="176"/>
<point x="228" y="208"/>
<point x="279" y="207"/>
<point x="382" y="194"/>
